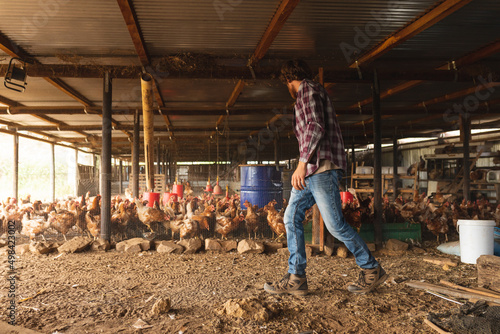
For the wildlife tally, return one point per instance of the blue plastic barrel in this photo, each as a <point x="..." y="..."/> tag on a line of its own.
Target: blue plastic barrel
<point x="260" y="184"/>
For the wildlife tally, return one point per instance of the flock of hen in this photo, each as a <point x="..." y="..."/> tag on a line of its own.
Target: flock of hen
<point x="438" y="215"/>
<point x="187" y="218"/>
<point x="208" y="215"/>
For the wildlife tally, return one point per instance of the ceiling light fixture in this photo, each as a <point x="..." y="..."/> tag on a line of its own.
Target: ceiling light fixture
<point x="15" y="78"/>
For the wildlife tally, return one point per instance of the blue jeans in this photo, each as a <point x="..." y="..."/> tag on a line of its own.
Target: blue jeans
<point x="322" y="189"/>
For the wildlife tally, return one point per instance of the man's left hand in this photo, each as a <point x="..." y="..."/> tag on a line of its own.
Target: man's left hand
<point x="299" y="176"/>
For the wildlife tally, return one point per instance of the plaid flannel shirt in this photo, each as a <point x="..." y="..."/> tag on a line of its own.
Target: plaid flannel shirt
<point x="316" y="127"/>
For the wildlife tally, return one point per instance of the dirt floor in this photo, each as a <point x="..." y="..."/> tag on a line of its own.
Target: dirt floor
<point x="108" y="292"/>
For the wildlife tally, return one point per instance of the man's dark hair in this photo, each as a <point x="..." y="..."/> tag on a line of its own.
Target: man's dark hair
<point x="296" y="69"/>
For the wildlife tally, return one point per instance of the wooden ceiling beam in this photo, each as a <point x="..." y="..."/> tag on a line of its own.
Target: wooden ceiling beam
<point x="65" y="88"/>
<point x="122" y="128"/>
<point x="15" y="51"/>
<point x="134" y="30"/>
<point x="14" y="104"/>
<point x="469" y="59"/>
<point x="57" y="123"/>
<point x="61" y="85"/>
<point x="473" y="57"/>
<point x="269" y="72"/>
<point x="202" y="111"/>
<point x="14" y="126"/>
<point x="8" y="102"/>
<point x="55" y="140"/>
<point x="238" y="88"/>
<point x="433" y="16"/>
<point x="277" y="22"/>
<point x="38" y="70"/>
<point x="458" y="94"/>
<point x="235" y="94"/>
<point x="389" y="92"/>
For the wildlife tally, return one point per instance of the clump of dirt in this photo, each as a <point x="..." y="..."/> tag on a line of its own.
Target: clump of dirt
<point x="251" y="308"/>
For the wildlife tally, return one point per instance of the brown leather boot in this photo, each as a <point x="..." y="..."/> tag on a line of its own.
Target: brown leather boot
<point x="368" y="280"/>
<point x="289" y="284"/>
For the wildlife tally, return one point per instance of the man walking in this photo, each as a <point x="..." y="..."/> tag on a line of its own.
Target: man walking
<point x="316" y="180"/>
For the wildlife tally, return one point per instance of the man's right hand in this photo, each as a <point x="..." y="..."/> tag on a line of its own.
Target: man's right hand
<point x="299" y="176"/>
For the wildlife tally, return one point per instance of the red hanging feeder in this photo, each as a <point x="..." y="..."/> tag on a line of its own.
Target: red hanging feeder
<point x="208" y="187"/>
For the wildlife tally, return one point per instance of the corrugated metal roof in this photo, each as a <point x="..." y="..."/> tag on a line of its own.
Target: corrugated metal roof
<point x="81" y="28"/>
<point x="94" y="32"/>
<point x="471" y="27"/>
<point x="316" y="29"/>
<point x="170" y="26"/>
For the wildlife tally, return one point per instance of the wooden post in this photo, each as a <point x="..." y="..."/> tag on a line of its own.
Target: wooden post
<point x="53" y="172"/>
<point x="377" y="165"/>
<point x="488" y="267"/>
<point x="135" y="155"/>
<point x="148" y="115"/>
<point x="15" y="167"/>
<point x="316" y="238"/>
<point x="106" y="158"/>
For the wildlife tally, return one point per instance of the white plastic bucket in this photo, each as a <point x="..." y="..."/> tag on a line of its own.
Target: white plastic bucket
<point x="476" y="239"/>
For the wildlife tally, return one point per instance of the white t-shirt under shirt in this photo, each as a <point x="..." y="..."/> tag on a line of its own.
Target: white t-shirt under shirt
<point x="325" y="165"/>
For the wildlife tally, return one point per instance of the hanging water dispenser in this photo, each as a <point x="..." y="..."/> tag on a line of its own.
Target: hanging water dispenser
<point x="217" y="188"/>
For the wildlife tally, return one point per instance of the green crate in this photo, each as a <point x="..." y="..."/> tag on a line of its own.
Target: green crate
<point x="389" y="231"/>
<point x="401" y="232"/>
<point x="308" y="232"/>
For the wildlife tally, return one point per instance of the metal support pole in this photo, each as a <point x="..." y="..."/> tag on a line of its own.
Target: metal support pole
<point x="158" y="169"/>
<point x="395" y="175"/>
<point x="276" y="160"/>
<point x="15" y="167"/>
<point x="106" y="158"/>
<point x="94" y="165"/>
<point x="76" y="173"/>
<point x="353" y="164"/>
<point x="135" y="156"/>
<point x="377" y="165"/>
<point x="465" y="129"/>
<point x="53" y="172"/>
<point x="165" y="159"/>
<point x="170" y="180"/>
<point x="120" y="177"/>
<point x="258" y="149"/>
